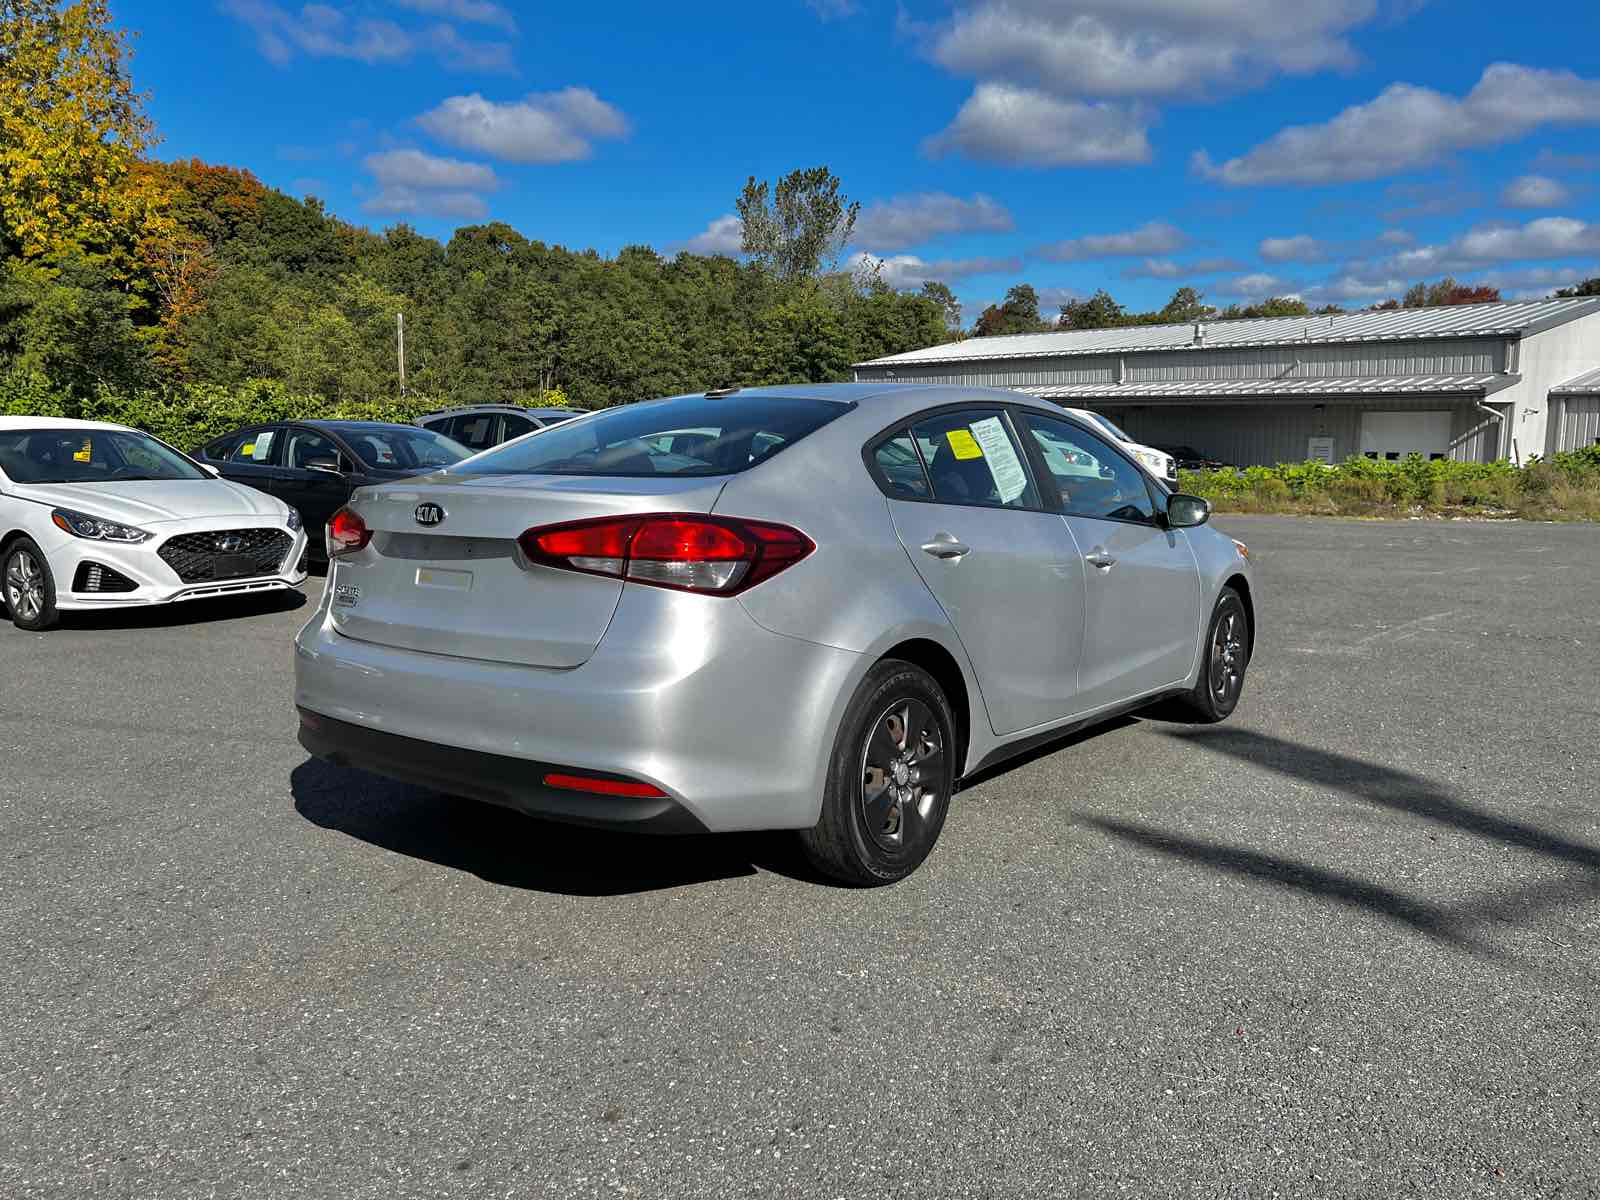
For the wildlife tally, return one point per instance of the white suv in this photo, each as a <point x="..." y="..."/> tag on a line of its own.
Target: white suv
<point x="1159" y="463"/>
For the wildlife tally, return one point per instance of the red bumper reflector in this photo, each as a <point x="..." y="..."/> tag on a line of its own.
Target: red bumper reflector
<point x="603" y="787"/>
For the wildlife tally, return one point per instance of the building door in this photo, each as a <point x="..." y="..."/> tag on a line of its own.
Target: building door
<point x="1393" y="435"/>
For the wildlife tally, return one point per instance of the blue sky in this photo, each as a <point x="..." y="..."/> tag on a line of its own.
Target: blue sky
<point x="1335" y="149"/>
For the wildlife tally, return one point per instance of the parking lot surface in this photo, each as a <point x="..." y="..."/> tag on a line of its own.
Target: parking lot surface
<point x="1346" y="944"/>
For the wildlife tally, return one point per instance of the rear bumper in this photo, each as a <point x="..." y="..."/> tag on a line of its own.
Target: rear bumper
<point x="686" y="693"/>
<point x="493" y="778"/>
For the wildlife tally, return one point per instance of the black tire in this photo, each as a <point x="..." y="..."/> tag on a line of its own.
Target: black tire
<point x="1226" y="656"/>
<point x="880" y="820"/>
<point x="28" y="588"/>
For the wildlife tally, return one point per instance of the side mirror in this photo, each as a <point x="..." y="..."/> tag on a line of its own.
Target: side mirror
<point x="330" y="465"/>
<point x="1185" y="512"/>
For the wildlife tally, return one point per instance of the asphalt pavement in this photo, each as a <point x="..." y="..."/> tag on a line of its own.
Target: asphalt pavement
<point x="1347" y="944"/>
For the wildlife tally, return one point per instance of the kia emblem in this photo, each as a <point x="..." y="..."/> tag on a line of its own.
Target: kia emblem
<point x="429" y="514"/>
<point x="230" y="543"/>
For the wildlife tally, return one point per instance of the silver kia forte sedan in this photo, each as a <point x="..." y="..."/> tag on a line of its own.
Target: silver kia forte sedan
<point x="817" y="607"/>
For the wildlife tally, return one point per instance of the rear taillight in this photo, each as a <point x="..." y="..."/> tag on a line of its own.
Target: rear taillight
<point x="347" y="533"/>
<point x="719" y="556"/>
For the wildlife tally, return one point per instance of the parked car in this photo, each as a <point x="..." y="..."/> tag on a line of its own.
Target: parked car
<point x="313" y="466"/>
<point x="94" y="515"/>
<point x="823" y="617"/>
<point x="1158" y="462"/>
<point x="485" y="425"/>
<point x="1190" y="459"/>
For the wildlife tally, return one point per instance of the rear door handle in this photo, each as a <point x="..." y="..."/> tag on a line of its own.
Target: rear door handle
<point x="1099" y="558"/>
<point x="946" y="545"/>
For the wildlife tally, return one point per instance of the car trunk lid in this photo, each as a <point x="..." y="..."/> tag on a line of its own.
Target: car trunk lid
<point x="459" y="587"/>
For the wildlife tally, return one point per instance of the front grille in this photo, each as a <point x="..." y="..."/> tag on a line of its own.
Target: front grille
<point x="208" y="557"/>
<point x="97" y="578"/>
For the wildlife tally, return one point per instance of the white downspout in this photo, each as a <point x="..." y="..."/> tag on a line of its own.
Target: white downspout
<point x="1500" y="418"/>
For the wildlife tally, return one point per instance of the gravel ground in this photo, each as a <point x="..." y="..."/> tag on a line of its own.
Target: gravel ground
<point x="1346" y="944"/>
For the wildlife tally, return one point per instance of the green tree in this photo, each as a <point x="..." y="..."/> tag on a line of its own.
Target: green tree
<point x="798" y="228"/>
<point x="1589" y="287"/>
<point x="949" y="306"/>
<point x="1100" y="311"/>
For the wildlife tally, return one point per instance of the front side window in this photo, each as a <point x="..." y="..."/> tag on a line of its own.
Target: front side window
<point x="306" y="447"/>
<point x="972" y="459"/>
<point x="398" y="447"/>
<point x="90" y="456"/>
<point x="1093" y="479"/>
<point x="686" y="436"/>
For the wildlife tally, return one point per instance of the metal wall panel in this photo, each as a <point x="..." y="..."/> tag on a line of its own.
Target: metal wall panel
<point x="1579" y="422"/>
<point x="1000" y="373"/>
<point x="1267" y="434"/>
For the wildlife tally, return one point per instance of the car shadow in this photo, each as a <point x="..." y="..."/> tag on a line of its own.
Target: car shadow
<point x="1459" y="923"/>
<point x="188" y="612"/>
<point x="509" y="848"/>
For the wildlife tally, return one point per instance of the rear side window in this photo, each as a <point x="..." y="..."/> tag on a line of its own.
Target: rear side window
<point x="517" y="426"/>
<point x="900" y="469"/>
<point x="973" y="459"/>
<point x="474" y="430"/>
<point x="686" y="436"/>
<point x="255" y="448"/>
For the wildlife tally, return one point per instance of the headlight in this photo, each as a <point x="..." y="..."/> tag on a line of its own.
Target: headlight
<point x="1155" y="462"/>
<point x="83" y="525"/>
<point x="294" y="519"/>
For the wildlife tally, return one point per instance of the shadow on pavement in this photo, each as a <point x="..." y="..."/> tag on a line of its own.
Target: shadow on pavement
<point x="1399" y="791"/>
<point x="509" y="848"/>
<point x="189" y="612"/>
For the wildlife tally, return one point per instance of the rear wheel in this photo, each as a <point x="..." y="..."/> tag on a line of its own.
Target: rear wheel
<point x="890" y="781"/>
<point x="1227" y="653"/>
<point x="29" y="589"/>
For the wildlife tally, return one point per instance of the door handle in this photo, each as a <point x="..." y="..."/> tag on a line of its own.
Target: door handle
<point x="1099" y="558"/>
<point x="945" y="545"/>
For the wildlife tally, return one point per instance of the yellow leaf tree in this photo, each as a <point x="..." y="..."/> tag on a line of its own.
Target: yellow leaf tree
<point x="72" y="133"/>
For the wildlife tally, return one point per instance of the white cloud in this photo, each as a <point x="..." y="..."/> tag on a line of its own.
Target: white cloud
<point x="1550" y="160"/>
<point x="1147" y="47"/>
<point x="1548" y="237"/>
<point x="1396" y="237"/>
<point x="1022" y="127"/>
<point x="322" y="31"/>
<point x="910" y="220"/>
<point x="1535" y="191"/>
<point x="907" y="271"/>
<point x="1256" y="286"/>
<point x="1166" y="268"/>
<point x="1355" y="290"/>
<point x="414" y="169"/>
<point x="1535" y="280"/>
<point x="1052" y="299"/>
<point x="543" y="127"/>
<point x="1300" y="248"/>
<point x="725" y="235"/>
<point x="1154" y="238"/>
<point x="1407" y="127"/>
<point x="481" y="12"/>
<point x="404" y="201"/>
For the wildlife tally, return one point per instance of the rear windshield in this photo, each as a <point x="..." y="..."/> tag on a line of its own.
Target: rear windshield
<point x="691" y="435"/>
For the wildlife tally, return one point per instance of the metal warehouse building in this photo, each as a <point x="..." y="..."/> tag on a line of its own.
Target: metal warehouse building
<point x="1474" y="382"/>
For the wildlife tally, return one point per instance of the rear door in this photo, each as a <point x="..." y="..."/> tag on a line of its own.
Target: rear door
<point x="316" y="491"/>
<point x="1005" y="571"/>
<point x="249" y="457"/>
<point x="1142" y="581"/>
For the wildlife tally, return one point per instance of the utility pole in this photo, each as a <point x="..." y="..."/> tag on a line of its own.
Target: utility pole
<point x="400" y="343"/>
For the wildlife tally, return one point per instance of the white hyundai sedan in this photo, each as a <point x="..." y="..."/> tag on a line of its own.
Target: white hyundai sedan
<point x="94" y="515"/>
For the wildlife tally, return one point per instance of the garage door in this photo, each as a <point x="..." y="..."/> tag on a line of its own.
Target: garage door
<point x="1393" y="435"/>
<point x="1579" y="423"/>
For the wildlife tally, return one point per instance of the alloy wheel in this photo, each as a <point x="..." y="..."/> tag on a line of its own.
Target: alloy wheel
<point x="1227" y="659"/>
<point x="902" y="774"/>
<point x="25" y="586"/>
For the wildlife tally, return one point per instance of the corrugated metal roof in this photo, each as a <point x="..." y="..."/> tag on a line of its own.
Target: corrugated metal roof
<point x="1385" y="385"/>
<point x="1507" y="319"/>
<point x="1584" y="385"/>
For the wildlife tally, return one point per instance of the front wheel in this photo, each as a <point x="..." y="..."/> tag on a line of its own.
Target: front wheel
<point x="1227" y="653"/>
<point x="890" y="782"/>
<point x="30" y="592"/>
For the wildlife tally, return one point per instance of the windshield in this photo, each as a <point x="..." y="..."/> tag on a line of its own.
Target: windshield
<point x="90" y="456"/>
<point x="400" y="448"/>
<point x="690" y="435"/>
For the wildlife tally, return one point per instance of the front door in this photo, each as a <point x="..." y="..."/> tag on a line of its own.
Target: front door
<point x="1142" y="583"/>
<point x="314" y="478"/>
<point x="1004" y="570"/>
